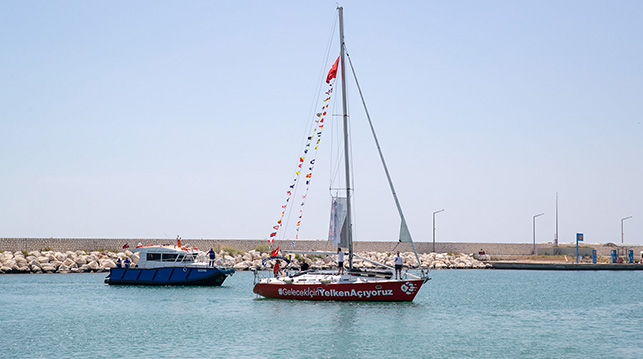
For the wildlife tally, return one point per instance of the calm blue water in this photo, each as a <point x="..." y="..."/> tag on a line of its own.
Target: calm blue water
<point x="458" y="314"/>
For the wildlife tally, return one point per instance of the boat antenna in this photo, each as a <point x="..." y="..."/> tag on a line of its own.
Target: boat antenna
<point x="348" y="223"/>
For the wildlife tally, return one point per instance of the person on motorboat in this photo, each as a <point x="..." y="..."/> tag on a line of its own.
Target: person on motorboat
<point x="211" y="254"/>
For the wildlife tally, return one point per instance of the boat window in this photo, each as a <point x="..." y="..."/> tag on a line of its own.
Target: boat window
<point x="154" y="256"/>
<point x="169" y="257"/>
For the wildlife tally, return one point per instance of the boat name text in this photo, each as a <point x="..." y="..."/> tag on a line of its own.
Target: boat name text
<point x="321" y="292"/>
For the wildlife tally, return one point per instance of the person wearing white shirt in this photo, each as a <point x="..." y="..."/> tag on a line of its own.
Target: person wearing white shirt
<point x="398" y="266"/>
<point x="340" y="261"/>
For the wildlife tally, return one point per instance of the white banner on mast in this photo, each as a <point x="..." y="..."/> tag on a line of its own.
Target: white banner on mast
<point x="337" y="219"/>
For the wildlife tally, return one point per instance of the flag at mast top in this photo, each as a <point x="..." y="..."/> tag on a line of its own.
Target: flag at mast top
<point x="333" y="71"/>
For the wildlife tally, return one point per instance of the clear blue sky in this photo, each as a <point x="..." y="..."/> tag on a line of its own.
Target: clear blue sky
<point x="156" y="118"/>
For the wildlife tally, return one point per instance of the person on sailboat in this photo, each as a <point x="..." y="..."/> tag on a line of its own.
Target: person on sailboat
<point x="340" y="261"/>
<point x="398" y="266"/>
<point x="275" y="270"/>
<point x="304" y="266"/>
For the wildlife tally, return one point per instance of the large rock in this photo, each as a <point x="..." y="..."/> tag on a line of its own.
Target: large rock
<point x="242" y="265"/>
<point x="21" y="261"/>
<point x="68" y="262"/>
<point x="107" y="264"/>
<point x="254" y="254"/>
<point x="48" y="268"/>
<point x="439" y="265"/>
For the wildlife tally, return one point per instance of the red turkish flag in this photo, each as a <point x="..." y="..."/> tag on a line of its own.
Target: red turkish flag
<point x="333" y="71"/>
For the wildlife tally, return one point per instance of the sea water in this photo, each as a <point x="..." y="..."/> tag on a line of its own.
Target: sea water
<point x="458" y="314"/>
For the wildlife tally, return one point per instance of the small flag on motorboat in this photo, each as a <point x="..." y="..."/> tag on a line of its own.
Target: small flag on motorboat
<point x="275" y="252"/>
<point x="126" y="246"/>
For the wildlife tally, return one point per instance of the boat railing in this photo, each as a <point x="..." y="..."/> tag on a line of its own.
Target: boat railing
<point x="385" y="266"/>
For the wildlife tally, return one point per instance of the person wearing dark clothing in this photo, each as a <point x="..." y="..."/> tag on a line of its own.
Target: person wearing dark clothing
<point x="211" y="254"/>
<point x="304" y="266"/>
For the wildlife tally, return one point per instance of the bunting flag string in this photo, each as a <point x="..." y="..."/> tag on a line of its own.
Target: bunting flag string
<point x="314" y="137"/>
<point x="309" y="174"/>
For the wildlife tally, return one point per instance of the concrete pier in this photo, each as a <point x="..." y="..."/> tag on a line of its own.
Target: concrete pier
<point x="565" y="266"/>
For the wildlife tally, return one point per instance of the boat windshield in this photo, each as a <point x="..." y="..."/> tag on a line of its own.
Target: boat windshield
<point x="171" y="257"/>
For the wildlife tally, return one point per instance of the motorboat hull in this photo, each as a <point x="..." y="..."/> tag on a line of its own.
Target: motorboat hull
<point x="168" y="276"/>
<point x="372" y="291"/>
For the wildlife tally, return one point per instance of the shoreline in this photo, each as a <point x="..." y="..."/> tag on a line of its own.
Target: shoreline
<point x="44" y="255"/>
<point x="102" y="261"/>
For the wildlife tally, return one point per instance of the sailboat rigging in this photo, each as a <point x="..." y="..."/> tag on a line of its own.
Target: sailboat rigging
<point x="355" y="285"/>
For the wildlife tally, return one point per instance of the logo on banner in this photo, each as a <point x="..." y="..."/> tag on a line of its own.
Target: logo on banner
<point x="408" y="288"/>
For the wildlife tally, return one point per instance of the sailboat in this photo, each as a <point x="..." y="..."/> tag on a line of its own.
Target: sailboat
<point x="353" y="284"/>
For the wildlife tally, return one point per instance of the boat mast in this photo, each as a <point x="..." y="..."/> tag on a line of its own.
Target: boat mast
<point x="349" y="229"/>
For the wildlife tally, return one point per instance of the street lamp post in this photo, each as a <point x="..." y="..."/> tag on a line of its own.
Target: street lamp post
<point x="533" y="251"/>
<point x="622" y="220"/>
<point x="434" y="213"/>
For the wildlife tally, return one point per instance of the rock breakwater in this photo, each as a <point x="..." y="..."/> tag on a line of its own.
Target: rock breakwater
<point x="101" y="261"/>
